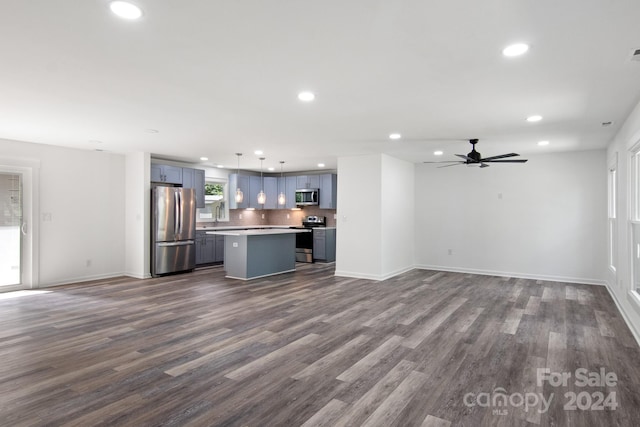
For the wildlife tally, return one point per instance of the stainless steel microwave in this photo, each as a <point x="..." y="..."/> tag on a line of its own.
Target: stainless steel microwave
<point x="307" y="197"/>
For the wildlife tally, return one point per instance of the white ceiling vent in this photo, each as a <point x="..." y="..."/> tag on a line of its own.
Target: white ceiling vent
<point x="635" y="55"/>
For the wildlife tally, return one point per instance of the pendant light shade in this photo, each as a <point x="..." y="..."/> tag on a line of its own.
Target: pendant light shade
<point x="262" y="198"/>
<point x="239" y="194"/>
<point x="281" y="197"/>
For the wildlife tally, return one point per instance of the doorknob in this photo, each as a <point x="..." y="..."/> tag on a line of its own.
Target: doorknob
<point x="23" y="229"/>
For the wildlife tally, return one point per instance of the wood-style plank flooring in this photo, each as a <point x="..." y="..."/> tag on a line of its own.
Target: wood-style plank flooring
<point x="423" y="349"/>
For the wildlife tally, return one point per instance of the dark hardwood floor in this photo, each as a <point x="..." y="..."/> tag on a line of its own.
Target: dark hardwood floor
<point x="425" y="348"/>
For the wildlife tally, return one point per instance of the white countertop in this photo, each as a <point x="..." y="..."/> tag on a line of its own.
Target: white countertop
<point x="258" y="232"/>
<point x="240" y="227"/>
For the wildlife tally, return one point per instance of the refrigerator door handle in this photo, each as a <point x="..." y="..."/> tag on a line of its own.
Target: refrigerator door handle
<point x="179" y="243"/>
<point x="181" y="209"/>
<point x="176" y="213"/>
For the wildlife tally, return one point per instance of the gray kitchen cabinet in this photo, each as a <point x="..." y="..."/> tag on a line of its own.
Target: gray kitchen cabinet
<point x="194" y="178"/>
<point x="328" y="191"/>
<point x="255" y="185"/>
<point x="166" y="174"/>
<point x="324" y="244"/>
<point x="205" y="248"/>
<point x="238" y="181"/>
<point x="219" y="243"/>
<point x="209" y="248"/>
<point x="271" y="191"/>
<point x="291" y="185"/>
<point x="308" y="181"/>
<point x="288" y="186"/>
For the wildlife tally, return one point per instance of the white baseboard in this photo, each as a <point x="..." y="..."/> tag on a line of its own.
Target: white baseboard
<point x="563" y="279"/>
<point x="625" y="316"/>
<point x="376" y="277"/>
<point x="74" y="280"/>
<point x="138" y="276"/>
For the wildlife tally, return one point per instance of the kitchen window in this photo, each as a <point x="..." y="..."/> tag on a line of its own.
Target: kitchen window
<point x="215" y="202"/>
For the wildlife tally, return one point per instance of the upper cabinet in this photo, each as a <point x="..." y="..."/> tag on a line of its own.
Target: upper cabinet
<point x="242" y="182"/>
<point x="175" y="175"/>
<point x="328" y="191"/>
<point x="308" y="181"/>
<point x="166" y="174"/>
<point x="194" y="178"/>
<point x="290" y="187"/>
<point x="273" y="186"/>
<point x="271" y="191"/>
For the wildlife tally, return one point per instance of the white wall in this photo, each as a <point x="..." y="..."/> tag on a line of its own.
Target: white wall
<point x="397" y="216"/>
<point x="543" y="219"/>
<point x="83" y="191"/>
<point x="375" y="221"/>
<point x="358" y="231"/>
<point x="620" y="281"/>
<point x="138" y="194"/>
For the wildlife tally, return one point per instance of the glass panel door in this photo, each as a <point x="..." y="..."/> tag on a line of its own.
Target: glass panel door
<point x="10" y="228"/>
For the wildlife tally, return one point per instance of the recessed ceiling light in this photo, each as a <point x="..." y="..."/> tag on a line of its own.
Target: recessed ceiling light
<point x="258" y="153"/>
<point x="533" y="119"/>
<point x="541" y="143"/>
<point x="220" y="166"/>
<point x="204" y="159"/>
<point x="125" y="10"/>
<point x="151" y="130"/>
<point x="271" y="169"/>
<point x="438" y="153"/>
<point x="306" y="96"/>
<point x="395" y="136"/>
<point x="320" y="165"/>
<point x="515" y="49"/>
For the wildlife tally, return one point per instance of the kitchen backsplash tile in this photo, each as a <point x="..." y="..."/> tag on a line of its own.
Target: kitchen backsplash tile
<point x="274" y="217"/>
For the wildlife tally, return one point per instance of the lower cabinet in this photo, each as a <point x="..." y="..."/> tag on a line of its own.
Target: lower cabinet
<point x="209" y="248"/>
<point x="324" y="244"/>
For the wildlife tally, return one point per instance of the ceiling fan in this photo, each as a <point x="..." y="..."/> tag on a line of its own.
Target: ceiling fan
<point x="475" y="158"/>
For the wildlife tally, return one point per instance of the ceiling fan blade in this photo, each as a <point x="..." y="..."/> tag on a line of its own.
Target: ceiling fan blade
<point x="501" y="156"/>
<point x="505" y="161"/>
<point x="467" y="158"/>
<point x="484" y="165"/>
<point x="445" y="161"/>
<point x="454" y="164"/>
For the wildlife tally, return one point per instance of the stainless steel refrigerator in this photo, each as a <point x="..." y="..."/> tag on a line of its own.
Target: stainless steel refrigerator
<point x="173" y="230"/>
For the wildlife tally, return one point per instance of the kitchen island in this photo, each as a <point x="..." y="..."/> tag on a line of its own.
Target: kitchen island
<point x="250" y="254"/>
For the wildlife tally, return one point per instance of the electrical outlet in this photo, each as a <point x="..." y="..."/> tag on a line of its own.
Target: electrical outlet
<point x="288" y="216"/>
<point x="88" y="263"/>
<point x="499" y="195"/>
<point x="262" y="216"/>
<point x="235" y="244"/>
<point x="46" y="216"/>
<point x="450" y="251"/>
<point x="239" y="216"/>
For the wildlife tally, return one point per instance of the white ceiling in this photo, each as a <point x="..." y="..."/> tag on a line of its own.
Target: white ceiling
<point x="219" y="77"/>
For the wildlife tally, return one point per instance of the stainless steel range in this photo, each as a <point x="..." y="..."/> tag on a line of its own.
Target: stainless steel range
<point x="304" y="241"/>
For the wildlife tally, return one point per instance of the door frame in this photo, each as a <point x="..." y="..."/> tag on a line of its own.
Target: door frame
<point x="29" y="170"/>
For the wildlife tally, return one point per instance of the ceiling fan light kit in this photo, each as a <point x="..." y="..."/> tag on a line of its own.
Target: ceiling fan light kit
<point x="474" y="158"/>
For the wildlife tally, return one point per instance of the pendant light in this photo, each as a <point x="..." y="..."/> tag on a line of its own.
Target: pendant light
<point x="281" y="197"/>
<point x="262" y="198"/>
<point x="239" y="195"/>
